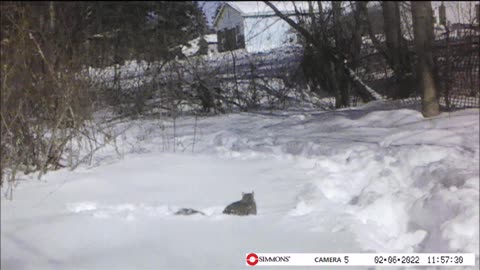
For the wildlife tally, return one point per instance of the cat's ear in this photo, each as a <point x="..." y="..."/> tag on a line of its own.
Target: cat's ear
<point x="253" y="192"/>
<point x="243" y="194"/>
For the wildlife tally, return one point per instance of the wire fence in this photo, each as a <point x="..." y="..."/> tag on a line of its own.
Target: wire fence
<point x="457" y="59"/>
<point x="458" y="64"/>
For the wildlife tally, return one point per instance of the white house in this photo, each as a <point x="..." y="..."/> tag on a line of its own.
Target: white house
<point x="254" y="25"/>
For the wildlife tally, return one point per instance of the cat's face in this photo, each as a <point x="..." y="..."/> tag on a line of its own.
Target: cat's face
<point x="247" y="196"/>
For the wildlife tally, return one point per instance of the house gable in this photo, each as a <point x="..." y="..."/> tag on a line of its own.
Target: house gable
<point x="227" y="18"/>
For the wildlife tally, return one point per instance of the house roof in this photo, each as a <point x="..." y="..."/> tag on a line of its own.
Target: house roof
<point x="260" y="9"/>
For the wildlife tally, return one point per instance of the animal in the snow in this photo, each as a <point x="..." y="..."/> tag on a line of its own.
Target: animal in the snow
<point x="246" y="206"/>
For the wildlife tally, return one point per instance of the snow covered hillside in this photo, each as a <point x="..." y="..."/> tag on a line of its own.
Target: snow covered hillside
<point x="376" y="178"/>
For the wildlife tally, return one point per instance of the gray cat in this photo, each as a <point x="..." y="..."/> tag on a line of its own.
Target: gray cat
<point x="246" y="206"/>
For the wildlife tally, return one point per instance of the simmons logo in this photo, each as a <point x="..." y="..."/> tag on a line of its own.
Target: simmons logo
<point x="253" y="259"/>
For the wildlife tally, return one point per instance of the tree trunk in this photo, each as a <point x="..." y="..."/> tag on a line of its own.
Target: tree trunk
<point x="360" y="25"/>
<point x="51" y="12"/>
<point x="422" y="16"/>
<point x="391" y="17"/>
<point x="342" y="98"/>
<point x="397" y="49"/>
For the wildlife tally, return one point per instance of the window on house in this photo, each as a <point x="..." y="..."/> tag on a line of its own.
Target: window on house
<point x="230" y="39"/>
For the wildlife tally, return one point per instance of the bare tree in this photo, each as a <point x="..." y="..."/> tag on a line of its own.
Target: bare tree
<point x="336" y="71"/>
<point x="422" y="16"/>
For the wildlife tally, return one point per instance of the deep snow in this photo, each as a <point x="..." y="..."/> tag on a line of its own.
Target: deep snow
<point x="377" y="178"/>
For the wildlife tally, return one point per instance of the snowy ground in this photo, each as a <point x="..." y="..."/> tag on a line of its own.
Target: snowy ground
<point x="371" y="179"/>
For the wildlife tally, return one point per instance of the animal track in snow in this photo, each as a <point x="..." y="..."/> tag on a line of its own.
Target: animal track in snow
<point x="130" y="211"/>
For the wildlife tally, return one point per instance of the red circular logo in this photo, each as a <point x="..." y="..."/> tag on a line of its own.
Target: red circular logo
<point x="255" y="259"/>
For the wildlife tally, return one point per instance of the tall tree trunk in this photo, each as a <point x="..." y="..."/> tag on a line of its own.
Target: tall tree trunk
<point x="360" y="25"/>
<point x="51" y="13"/>
<point x="320" y="11"/>
<point x="422" y="16"/>
<point x="397" y="49"/>
<point x="393" y="35"/>
<point x="342" y="98"/>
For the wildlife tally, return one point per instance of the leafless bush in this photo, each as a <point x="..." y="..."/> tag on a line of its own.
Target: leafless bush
<point x="45" y="103"/>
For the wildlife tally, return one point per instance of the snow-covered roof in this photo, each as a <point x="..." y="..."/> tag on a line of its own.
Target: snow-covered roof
<point x="259" y="8"/>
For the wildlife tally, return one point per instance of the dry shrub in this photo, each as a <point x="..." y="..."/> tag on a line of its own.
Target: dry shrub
<point x="44" y="102"/>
